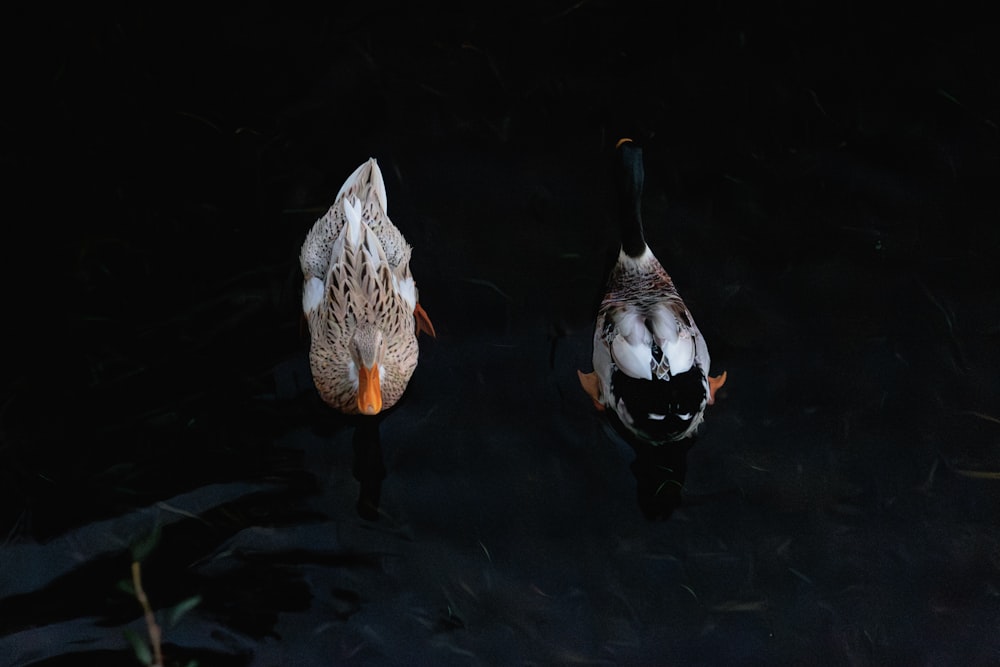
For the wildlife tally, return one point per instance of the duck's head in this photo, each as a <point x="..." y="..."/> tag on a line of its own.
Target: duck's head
<point x="368" y="353"/>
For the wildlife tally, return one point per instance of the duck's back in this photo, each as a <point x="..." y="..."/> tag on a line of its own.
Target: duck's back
<point x="364" y="190"/>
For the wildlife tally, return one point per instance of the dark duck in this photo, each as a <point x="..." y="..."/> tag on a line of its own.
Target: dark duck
<point x="651" y="363"/>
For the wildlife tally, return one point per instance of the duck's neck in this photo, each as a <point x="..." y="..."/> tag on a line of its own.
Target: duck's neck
<point x="633" y="241"/>
<point x="630" y="181"/>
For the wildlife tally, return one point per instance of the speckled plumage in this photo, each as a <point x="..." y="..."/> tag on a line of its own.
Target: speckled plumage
<point x="359" y="296"/>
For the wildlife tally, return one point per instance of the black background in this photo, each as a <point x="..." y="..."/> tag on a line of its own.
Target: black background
<point x="821" y="184"/>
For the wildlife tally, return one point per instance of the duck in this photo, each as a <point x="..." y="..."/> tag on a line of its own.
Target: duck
<point x="651" y="362"/>
<point x="360" y="300"/>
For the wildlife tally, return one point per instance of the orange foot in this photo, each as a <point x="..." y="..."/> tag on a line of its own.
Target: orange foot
<point x="423" y="321"/>
<point x="714" y="385"/>
<point x="592" y="386"/>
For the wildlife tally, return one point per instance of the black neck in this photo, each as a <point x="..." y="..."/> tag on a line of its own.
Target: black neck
<point x="630" y="180"/>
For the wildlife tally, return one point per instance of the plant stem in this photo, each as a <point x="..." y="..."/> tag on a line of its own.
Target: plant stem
<point x="151" y="625"/>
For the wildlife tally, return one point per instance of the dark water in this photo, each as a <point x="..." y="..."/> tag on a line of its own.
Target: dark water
<point x="821" y="184"/>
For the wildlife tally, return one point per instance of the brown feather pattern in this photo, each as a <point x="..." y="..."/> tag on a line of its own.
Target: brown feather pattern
<point x="366" y="278"/>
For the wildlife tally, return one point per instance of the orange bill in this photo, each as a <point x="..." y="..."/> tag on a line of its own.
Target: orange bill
<point x="423" y="321"/>
<point x="592" y="386"/>
<point x="369" y="391"/>
<point x="714" y="385"/>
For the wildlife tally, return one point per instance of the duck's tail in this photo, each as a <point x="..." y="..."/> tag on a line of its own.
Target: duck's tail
<point x="366" y="183"/>
<point x="362" y="194"/>
<point x="630" y="181"/>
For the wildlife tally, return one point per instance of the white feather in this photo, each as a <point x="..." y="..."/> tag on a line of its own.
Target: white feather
<point x="352" y="211"/>
<point x="664" y="324"/>
<point x="623" y="413"/>
<point x="680" y="353"/>
<point x="351" y="181"/>
<point x="408" y="290"/>
<point x="635" y="264"/>
<point x="633" y="359"/>
<point x="631" y="348"/>
<point x="602" y="363"/>
<point x="352" y="374"/>
<point x="379" y="185"/>
<point x="312" y="294"/>
<point x="373" y="249"/>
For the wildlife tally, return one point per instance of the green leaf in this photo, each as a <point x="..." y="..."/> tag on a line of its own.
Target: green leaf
<point x="175" y="613"/>
<point x="142" y="652"/>
<point x="144" y="546"/>
<point x="126" y="586"/>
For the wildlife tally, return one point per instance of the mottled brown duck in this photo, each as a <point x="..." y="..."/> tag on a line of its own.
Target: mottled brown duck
<point x="360" y="300"/>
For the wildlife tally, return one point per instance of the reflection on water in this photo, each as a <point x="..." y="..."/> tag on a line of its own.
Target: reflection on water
<point x="659" y="470"/>
<point x="368" y="468"/>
